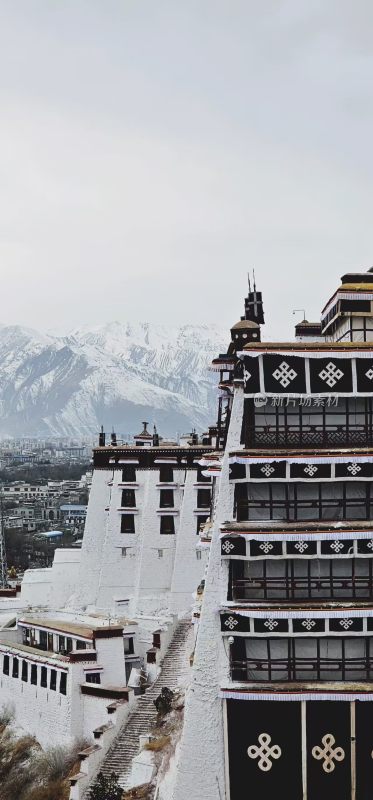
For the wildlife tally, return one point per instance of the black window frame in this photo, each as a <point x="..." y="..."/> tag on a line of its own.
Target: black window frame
<point x="292" y="506"/>
<point x="131" y="647"/>
<point x="166" y="498"/>
<point x="93" y="677"/>
<point x="128" y="498"/>
<point x="24" y="672"/>
<point x="303" y="579"/>
<point x="63" y="683"/>
<point x="200" y="478"/>
<point x="167" y="521"/>
<point x="296" y="424"/>
<point x="292" y="668"/>
<point x="166" y="474"/>
<point x="129" y="474"/>
<point x="127" y="523"/>
<point x="204" y="498"/>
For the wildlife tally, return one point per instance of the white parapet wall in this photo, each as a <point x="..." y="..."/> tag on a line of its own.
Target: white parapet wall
<point x="36" y="589"/>
<point x="53" y="586"/>
<point x="201" y="766"/>
<point x="156" y="551"/>
<point x="190" y="563"/>
<point x="93" y="550"/>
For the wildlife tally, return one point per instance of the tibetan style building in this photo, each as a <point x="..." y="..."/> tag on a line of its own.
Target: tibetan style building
<point x="281" y="700"/>
<point x="260" y="532"/>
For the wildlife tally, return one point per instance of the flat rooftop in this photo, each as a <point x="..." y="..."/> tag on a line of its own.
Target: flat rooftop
<point x="35" y="651"/>
<point x="65" y="626"/>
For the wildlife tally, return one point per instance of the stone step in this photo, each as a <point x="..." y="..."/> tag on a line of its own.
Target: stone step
<point x="126" y="746"/>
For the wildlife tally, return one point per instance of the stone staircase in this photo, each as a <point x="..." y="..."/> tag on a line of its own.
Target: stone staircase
<point x="144" y="716"/>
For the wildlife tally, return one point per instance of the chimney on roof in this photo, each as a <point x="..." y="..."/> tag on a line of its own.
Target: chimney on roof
<point x="101" y="438"/>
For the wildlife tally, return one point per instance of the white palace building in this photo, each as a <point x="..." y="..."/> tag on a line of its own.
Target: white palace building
<point x="260" y="532"/>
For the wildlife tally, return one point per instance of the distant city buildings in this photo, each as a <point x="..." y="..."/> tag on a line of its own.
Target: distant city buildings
<point x="34" y="507"/>
<point x="22" y="452"/>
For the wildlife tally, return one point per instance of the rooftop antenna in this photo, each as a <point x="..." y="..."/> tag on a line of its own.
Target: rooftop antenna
<point x="248" y="278"/>
<point x="3" y="561"/>
<point x="254" y="280"/>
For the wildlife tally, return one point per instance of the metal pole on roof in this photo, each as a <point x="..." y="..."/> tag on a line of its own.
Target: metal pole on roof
<point x="295" y="311"/>
<point x="3" y="560"/>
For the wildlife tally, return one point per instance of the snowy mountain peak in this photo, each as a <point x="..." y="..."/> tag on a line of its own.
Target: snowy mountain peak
<point x="109" y="374"/>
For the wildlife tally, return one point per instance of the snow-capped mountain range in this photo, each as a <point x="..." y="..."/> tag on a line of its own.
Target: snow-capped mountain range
<point x="116" y="375"/>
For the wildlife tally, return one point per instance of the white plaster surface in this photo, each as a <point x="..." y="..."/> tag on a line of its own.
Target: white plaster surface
<point x="201" y="770"/>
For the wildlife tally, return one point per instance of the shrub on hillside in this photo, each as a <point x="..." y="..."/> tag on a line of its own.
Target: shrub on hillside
<point x="106" y="788"/>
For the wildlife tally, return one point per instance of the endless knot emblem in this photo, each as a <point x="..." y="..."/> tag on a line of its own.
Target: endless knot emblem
<point x="231" y="623"/>
<point x="227" y="547"/>
<point x="265" y="752"/>
<point x="337" y="546"/>
<point x="246" y="375"/>
<point x="301" y="547"/>
<point x="308" y="624"/>
<point x="370" y="545"/>
<point x="331" y="374"/>
<point x="345" y="623"/>
<point x="284" y="374"/>
<point x="267" y="470"/>
<point x="271" y="624"/>
<point x="328" y="753"/>
<point x="369" y="373"/>
<point x="266" y="547"/>
<point x="310" y="470"/>
<point x="354" y="469"/>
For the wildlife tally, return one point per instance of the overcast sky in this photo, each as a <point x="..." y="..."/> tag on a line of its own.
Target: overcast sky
<point x="152" y="151"/>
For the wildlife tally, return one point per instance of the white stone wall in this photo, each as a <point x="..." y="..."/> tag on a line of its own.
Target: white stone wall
<point x="116" y="581"/>
<point x="52" y="587"/>
<point x="41" y="712"/>
<point x="188" y="569"/>
<point x="201" y="767"/>
<point x="110" y="656"/>
<point x="94" y="714"/>
<point x="155" y="570"/>
<point x="36" y="588"/>
<point x="65" y="575"/>
<point x="94" y="539"/>
<point x="124" y="566"/>
<point x="123" y="573"/>
<point x="48" y="714"/>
